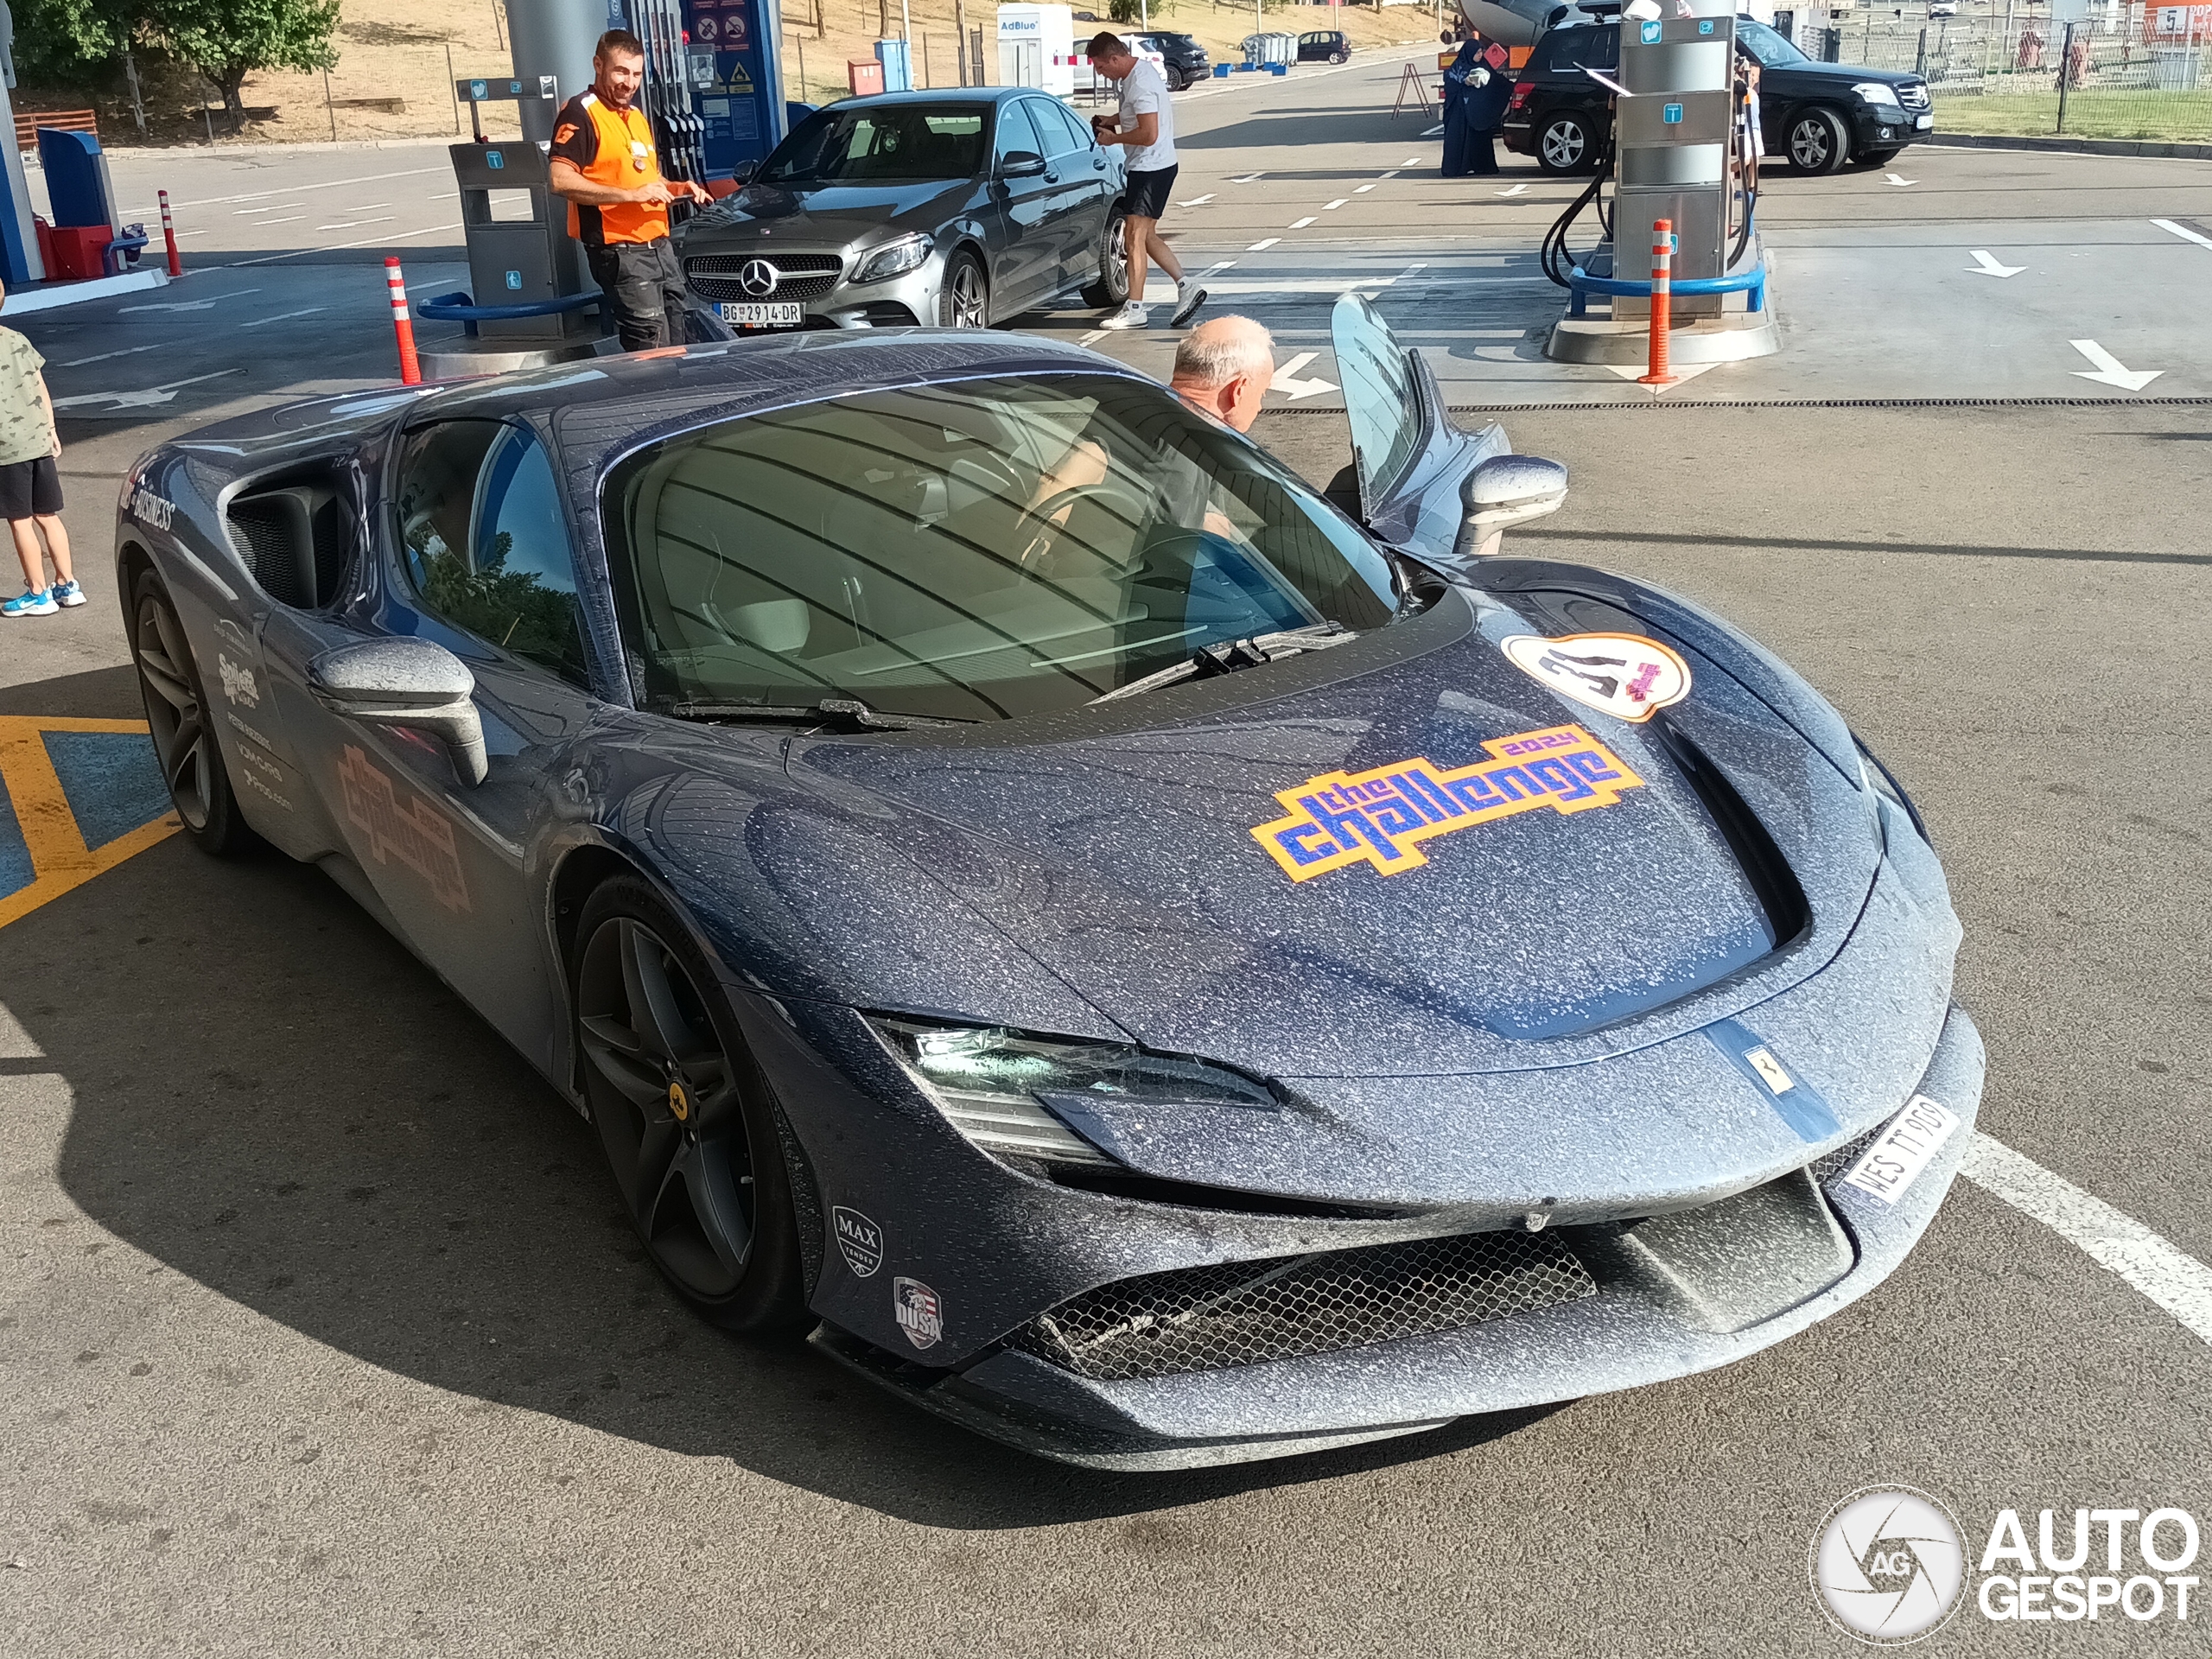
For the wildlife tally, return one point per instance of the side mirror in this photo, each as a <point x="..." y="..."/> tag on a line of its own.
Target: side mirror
<point x="1505" y="491"/>
<point x="743" y="172"/>
<point x="1020" y="164"/>
<point x="405" y="683"/>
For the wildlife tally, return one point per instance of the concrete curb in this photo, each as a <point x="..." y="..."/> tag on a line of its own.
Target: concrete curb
<point x="2149" y="147"/>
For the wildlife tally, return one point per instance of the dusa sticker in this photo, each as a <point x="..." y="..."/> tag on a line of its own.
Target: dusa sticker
<point x="860" y="1241"/>
<point x="1381" y="816"/>
<point x="1623" y="675"/>
<point x="919" y="1314"/>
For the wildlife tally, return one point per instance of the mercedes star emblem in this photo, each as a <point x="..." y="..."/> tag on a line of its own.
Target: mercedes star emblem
<point x="758" y="278"/>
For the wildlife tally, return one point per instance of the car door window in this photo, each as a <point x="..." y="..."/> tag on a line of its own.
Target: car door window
<point x="485" y="544"/>
<point x="1574" y="49"/>
<point x="1016" y="135"/>
<point x="1059" y="130"/>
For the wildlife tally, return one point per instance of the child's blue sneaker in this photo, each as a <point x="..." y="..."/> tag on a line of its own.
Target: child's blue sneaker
<point x="38" y="602"/>
<point x="66" y="594"/>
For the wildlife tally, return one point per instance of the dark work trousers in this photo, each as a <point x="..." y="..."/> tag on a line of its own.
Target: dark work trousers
<point x="645" y="286"/>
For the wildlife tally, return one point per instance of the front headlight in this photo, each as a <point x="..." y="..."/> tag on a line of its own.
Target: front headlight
<point x="988" y="1082"/>
<point x="894" y="259"/>
<point x="1875" y="92"/>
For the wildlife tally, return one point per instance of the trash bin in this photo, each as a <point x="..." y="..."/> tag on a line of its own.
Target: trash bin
<point x="897" y="58"/>
<point x="863" y="76"/>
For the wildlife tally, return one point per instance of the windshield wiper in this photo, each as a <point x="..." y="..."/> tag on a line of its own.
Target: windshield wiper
<point x="848" y="714"/>
<point x="1227" y="656"/>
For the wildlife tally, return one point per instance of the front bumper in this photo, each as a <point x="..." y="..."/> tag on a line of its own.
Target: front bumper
<point x="1885" y="126"/>
<point x="899" y="302"/>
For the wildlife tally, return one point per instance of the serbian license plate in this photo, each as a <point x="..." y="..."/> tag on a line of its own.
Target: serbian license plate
<point x="1923" y="122"/>
<point x="783" y="314"/>
<point x="1895" y="1159"/>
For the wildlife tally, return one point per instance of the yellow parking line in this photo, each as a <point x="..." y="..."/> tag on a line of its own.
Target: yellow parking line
<point x="60" y="859"/>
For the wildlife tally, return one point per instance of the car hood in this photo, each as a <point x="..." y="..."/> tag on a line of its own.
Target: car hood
<point x="1116" y="847"/>
<point x="1815" y="76"/>
<point x="828" y="216"/>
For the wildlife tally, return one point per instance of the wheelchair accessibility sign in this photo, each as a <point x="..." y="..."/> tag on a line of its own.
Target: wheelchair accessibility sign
<point x="76" y="798"/>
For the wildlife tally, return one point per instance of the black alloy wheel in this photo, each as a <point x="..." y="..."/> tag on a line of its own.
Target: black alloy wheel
<point x="683" y="1113"/>
<point x="1112" y="286"/>
<point x="178" y="718"/>
<point x="1818" y="143"/>
<point x="964" y="301"/>
<point x="1565" y="144"/>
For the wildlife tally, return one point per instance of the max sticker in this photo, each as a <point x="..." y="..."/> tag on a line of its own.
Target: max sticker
<point x="415" y="834"/>
<point x="919" y="1314"/>
<point x="860" y="1241"/>
<point x="1623" y="675"/>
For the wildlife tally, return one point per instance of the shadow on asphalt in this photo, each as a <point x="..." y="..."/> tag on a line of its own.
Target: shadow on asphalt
<point x="274" y="1098"/>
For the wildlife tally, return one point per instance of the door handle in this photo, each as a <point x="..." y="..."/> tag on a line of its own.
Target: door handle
<point x="1052" y="178"/>
<point x="1098" y="163"/>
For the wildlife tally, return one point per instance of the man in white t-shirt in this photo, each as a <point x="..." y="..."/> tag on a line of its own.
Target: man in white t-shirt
<point x="1145" y="127"/>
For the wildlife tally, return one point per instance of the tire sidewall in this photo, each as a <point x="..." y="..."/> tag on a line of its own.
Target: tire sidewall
<point x="1831" y="127"/>
<point x="226" y="831"/>
<point x="1114" y="282"/>
<point x="772" y="1294"/>
<point x="945" y="317"/>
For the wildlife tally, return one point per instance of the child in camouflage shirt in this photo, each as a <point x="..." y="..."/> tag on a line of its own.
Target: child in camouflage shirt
<point x="30" y="486"/>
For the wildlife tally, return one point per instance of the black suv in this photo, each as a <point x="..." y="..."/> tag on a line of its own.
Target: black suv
<point x="1324" y="46"/>
<point x="1817" y="116"/>
<point x="1183" y="61"/>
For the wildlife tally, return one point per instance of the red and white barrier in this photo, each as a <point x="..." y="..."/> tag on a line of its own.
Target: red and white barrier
<point x="410" y="367"/>
<point x="1663" y="301"/>
<point x="168" y="238"/>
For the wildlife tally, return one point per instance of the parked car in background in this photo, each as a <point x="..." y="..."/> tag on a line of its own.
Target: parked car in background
<point x="1183" y="61"/>
<point x="1324" y="46"/>
<point x="1817" y="116"/>
<point x="956" y="207"/>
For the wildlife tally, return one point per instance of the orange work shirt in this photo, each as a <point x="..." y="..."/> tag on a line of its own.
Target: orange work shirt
<point x="612" y="148"/>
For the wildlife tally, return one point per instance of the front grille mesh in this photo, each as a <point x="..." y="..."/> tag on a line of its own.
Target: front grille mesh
<point x="799" y="276"/>
<point x="1830" y="1165"/>
<point x="1244" y="1313"/>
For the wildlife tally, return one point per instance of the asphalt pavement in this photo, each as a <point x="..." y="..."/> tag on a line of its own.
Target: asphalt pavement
<point x="319" y="1327"/>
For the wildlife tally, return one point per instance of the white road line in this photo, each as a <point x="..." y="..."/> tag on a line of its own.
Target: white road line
<point x="319" y="184"/>
<point x="80" y="362"/>
<point x="1263" y="244"/>
<point x="1392" y="173"/>
<point x="2184" y="232"/>
<point x="1247" y="178"/>
<point x="355" y="223"/>
<point x="1413" y="160"/>
<point x="264" y="223"/>
<point x="1219" y="264"/>
<point x="1361" y="190"/>
<point x="1195" y="201"/>
<point x="2179" y="1283"/>
<point x="1096" y="333"/>
<point x="267" y="208"/>
<point x="302" y="253"/>
<point x="283" y="316"/>
<point x="1329" y="206"/>
<point x="190" y="305"/>
<point x="1301" y="224"/>
<point x="1515" y="191"/>
<point x="1902" y="184"/>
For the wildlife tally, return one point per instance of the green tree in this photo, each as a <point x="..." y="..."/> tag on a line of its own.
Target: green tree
<point x="66" y="40"/>
<point x="228" y="40"/>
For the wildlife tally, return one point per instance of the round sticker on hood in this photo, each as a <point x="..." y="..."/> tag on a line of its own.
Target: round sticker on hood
<point x="1624" y="675"/>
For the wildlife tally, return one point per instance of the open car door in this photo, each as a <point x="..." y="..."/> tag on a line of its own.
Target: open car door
<point x="1409" y="460"/>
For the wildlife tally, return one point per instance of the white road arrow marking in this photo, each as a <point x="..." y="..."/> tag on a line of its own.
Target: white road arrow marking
<point x="2109" y="370"/>
<point x="1247" y="178"/>
<point x="1263" y="244"/>
<point x="1515" y="191"/>
<point x="1431" y="133"/>
<point x="1414" y="161"/>
<point x="188" y="305"/>
<point x="1301" y="224"/>
<point x="1361" y="190"/>
<point x="1328" y="206"/>
<point x="2184" y="232"/>
<point x="78" y="362"/>
<point x="1681" y="371"/>
<point x="1096" y="333"/>
<point x="1900" y="183"/>
<point x="1286" y="380"/>
<point x="145" y="400"/>
<point x="1195" y="201"/>
<point x="283" y="316"/>
<point x="1984" y="264"/>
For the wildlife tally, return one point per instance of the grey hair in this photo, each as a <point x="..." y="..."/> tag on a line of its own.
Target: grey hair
<point x="1216" y="361"/>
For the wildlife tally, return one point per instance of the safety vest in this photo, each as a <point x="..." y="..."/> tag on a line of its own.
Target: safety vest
<point x="621" y="155"/>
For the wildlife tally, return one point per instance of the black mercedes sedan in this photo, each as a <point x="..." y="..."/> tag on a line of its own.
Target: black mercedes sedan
<point x="957" y="208"/>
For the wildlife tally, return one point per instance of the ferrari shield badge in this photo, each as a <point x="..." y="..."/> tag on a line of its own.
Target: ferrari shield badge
<point x="1623" y="675"/>
<point x="1380" y="817"/>
<point x="920" y="1315"/>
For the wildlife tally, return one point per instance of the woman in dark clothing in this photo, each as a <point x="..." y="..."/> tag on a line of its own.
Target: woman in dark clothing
<point x="1475" y="96"/>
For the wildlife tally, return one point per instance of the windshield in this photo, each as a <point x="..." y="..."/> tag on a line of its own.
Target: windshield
<point x="905" y="143"/>
<point x="1769" y="48"/>
<point x="973" y="551"/>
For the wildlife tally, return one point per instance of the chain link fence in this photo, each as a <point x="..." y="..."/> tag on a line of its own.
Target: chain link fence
<point x="2147" y="74"/>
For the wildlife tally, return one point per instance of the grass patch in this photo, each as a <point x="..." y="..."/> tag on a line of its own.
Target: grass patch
<point x="2172" y="118"/>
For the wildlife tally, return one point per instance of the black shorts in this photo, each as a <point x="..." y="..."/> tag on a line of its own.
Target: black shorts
<point x="30" y="489"/>
<point x="1147" y="195"/>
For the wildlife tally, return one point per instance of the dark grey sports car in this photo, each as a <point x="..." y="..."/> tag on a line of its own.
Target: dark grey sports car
<point x="958" y="208"/>
<point x="1136" y="958"/>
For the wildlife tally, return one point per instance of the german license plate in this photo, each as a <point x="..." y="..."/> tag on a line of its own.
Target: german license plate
<point x="782" y="313"/>
<point x="1923" y="122"/>
<point x="1897" y="1156"/>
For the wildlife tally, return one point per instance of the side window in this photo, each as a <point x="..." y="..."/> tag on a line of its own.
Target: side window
<point x="1016" y="135"/>
<point x="1056" y="126"/>
<point x="484" y="542"/>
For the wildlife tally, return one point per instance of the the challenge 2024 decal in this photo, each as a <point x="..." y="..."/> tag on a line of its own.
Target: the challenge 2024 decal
<point x="1381" y="816"/>
<point x="1623" y="675"/>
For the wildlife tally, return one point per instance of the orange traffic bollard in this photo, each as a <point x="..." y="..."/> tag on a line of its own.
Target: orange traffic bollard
<point x="1662" y="291"/>
<point x="168" y="238"/>
<point x="410" y="369"/>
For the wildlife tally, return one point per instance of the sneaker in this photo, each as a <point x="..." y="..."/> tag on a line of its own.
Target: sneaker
<point x="1188" y="309"/>
<point x="1131" y="315"/>
<point x="38" y="602"/>
<point x="68" y="594"/>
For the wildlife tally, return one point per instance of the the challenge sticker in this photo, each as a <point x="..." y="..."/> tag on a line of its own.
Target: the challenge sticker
<point x="1623" y="675"/>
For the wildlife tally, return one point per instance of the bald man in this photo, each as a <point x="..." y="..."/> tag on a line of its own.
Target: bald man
<point x="1224" y="367"/>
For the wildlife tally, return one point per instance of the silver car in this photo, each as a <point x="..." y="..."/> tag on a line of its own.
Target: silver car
<point x="955" y="208"/>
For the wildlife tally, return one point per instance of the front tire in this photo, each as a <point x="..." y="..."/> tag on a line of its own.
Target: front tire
<point x="963" y="301"/>
<point x="684" y="1116"/>
<point x="179" y="719"/>
<point x="1565" y="144"/>
<point x="1818" y="142"/>
<point x="1112" y="286"/>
